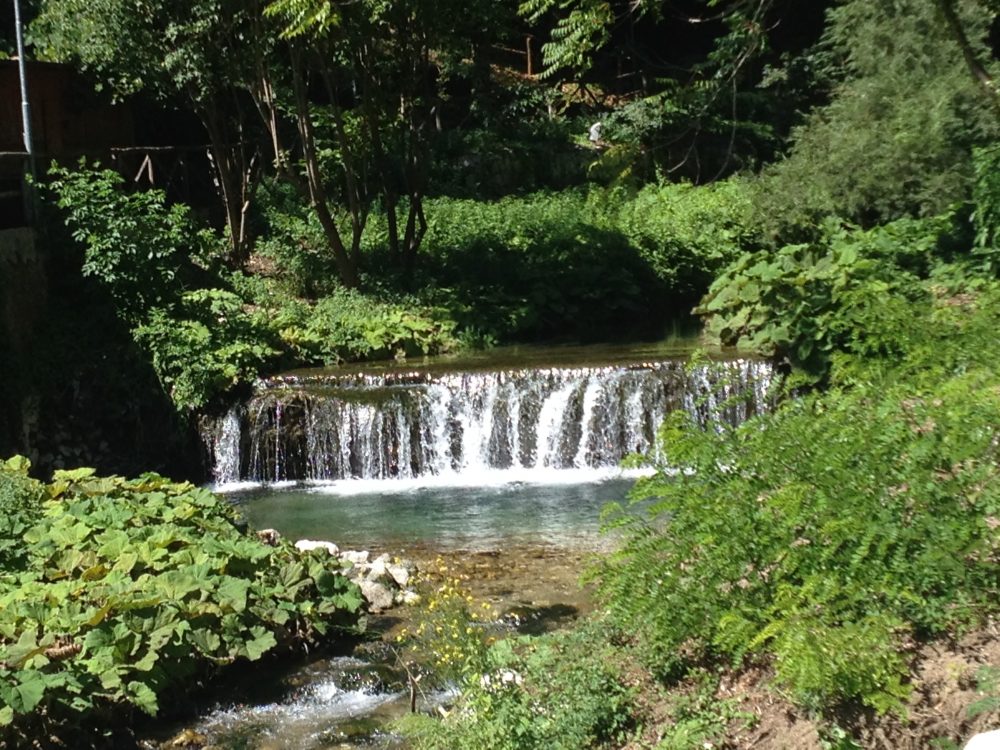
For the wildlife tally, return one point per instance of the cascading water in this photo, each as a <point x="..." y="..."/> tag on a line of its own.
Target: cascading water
<point x="506" y="462"/>
<point x="413" y="424"/>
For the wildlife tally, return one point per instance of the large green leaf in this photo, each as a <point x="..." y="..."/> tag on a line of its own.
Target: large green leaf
<point x="262" y="641"/>
<point x="232" y="593"/>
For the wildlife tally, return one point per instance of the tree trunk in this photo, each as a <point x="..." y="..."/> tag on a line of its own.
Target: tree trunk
<point x="314" y="179"/>
<point x="234" y="182"/>
<point x="972" y="61"/>
<point x="390" y="195"/>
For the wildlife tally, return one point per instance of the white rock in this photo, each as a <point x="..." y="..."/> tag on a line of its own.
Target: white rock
<point x="378" y="596"/>
<point x="408" y="597"/>
<point x="399" y="574"/>
<point x="358" y="571"/>
<point x="985" y="741"/>
<point x="377" y="571"/>
<point x="308" y="545"/>
<point x="356" y="557"/>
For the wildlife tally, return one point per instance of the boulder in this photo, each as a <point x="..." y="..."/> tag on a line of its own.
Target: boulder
<point x="984" y="741"/>
<point x="270" y="537"/>
<point x="377" y="595"/>
<point x="308" y="545"/>
<point x="408" y="597"/>
<point x="377" y="571"/>
<point x="399" y="574"/>
<point x="356" y="557"/>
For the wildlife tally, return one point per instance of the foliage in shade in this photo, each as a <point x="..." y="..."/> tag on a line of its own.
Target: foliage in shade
<point x="136" y="244"/>
<point x="132" y="588"/>
<point x="687" y="234"/>
<point x="206" y="345"/>
<point x="986" y="199"/>
<point x="20" y="507"/>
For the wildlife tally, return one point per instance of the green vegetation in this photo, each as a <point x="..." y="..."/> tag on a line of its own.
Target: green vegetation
<point x="573" y="265"/>
<point x="808" y="301"/>
<point x="881" y="527"/>
<point x="115" y="593"/>
<point x="822" y="540"/>
<point x="553" y="692"/>
<point x="896" y="137"/>
<point x="564" y="690"/>
<point x="399" y="179"/>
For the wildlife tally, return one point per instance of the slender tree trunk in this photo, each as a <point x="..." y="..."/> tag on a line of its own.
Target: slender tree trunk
<point x="314" y="179"/>
<point x="355" y="200"/>
<point x="311" y="188"/>
<point x="416" y="157"/>
<point x="232" y="176"/>
<point x="390" y="195"/>
<point x="976" y="68"/>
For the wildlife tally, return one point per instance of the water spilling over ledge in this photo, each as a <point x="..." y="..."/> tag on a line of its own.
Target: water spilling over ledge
<point x="430" y="423"/>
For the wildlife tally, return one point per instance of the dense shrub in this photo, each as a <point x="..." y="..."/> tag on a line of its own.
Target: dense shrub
<point x="137" y="245"/>
<point x="349" y="326"/>
<point x="805" y="302"/>
<point x="291" y="244"/>
<point x="897" y="135"/>
<point x="828" y="534"/>
<point x="536" y="268"/>
<point x="986" y="199"/>
<point x="687" y="234"/>
<point x="583" y="265"/>
<point x="132" y="588"/>
<point x="20" y="507"/>
<point x="205" y="345"/>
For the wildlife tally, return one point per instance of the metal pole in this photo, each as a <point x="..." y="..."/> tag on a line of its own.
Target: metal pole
<point x="28" y="185"/>
<point x="22" y="73"/>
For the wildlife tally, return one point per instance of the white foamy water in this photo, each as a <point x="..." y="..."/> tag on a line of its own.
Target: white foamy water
<point x="322" y="714"/>
<point x="545" y="425"/>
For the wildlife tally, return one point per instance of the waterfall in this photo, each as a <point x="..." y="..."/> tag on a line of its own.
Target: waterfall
<point x="421" y="423"/>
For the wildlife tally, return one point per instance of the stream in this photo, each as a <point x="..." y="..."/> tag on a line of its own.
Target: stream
<point x="499" y="464"/>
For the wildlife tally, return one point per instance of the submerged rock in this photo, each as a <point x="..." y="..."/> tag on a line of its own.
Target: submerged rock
<point x="186" y="740"/>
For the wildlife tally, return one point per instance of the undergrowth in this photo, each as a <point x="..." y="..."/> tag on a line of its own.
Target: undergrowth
<point x="125" y="593"/>
<point x="828" y="535"/>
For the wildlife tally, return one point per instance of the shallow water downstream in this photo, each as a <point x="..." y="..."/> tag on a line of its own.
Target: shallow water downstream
<point x="350" y="702"/>
<point x="395" y="516"/>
